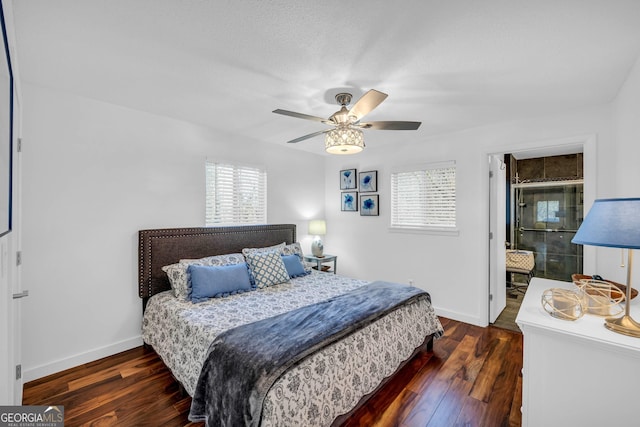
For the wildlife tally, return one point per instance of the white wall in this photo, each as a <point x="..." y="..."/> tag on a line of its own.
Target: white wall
<point x="625" y="168"/>
<point x="452" y="268"/>
<point x="627" y="132"/>
<point x="95" y="174"/>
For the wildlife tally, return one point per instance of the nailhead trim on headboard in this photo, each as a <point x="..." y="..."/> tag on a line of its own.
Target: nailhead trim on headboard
<point x="197" y="243"/>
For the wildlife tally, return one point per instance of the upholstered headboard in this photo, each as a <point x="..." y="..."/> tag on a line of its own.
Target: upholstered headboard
<point x="161" y="247"/>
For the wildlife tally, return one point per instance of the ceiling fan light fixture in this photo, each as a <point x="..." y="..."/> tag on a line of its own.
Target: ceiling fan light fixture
<point x="347" y="137"/>
<point x="344" y="140"/>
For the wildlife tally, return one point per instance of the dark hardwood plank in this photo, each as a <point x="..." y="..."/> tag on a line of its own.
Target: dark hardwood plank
<point x="483" y="386"/>
<point x="471" y="378"/>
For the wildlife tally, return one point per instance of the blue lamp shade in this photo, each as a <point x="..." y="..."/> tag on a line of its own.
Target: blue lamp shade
<point x="613" y="223"/>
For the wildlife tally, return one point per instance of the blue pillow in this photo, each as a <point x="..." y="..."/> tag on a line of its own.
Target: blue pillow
<point x="218" y="281"/>
<point x="294" y="266"/>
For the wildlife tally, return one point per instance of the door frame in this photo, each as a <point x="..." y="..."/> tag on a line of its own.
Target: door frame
<point x="587" y="145"/>
<point x="12" y="284"/>
<point x="12" y="353"/>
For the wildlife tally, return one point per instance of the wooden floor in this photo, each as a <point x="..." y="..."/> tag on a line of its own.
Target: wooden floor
<point x="507" y="319"/>
<point x="472" y="378"/>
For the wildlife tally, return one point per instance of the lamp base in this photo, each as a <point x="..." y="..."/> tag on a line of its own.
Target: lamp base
<point x="623" y="325"/>
<point x="317" y="248"/>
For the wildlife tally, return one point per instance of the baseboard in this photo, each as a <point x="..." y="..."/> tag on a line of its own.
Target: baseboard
<point x="460" y="317"/>
<point x="30" y="374"/>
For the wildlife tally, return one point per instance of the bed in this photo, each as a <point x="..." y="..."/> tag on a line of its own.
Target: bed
<point x="326" y="382"/>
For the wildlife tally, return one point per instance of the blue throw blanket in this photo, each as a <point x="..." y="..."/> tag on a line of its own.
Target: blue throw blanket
<point x="243" y="363"/>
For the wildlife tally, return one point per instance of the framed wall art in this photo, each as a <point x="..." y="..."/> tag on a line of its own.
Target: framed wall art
<point x="368" y="181"/>
<point x="348" y="179"/>
<point x="349" y="201"/>
<point x="369" y="204"/>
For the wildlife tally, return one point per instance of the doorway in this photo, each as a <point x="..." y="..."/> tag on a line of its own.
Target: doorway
<point x="520" y="165"/>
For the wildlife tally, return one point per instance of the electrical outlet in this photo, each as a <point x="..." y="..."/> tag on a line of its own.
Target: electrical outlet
<point x="410" y="282"/>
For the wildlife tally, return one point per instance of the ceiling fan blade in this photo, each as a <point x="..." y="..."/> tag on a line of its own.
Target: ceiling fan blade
<point x="367" y="103"/>
<point x="390" y="125"/>
<point x="301" y="116"/>
<point x="311" y="135"/>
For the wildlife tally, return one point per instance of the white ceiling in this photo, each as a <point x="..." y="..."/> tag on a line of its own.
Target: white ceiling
<point x="227" y="64"/>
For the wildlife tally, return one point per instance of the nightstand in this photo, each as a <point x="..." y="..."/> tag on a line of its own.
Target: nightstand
<point x="322" y="260"/>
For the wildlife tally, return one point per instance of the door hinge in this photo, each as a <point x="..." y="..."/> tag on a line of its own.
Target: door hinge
<point x="19" y="258"/>
<point x="490" y="235"/>
<point x="490" y="297"/>
<point x="18" y="372"/>
<point x="490" y="174"/>
<point x="19" y="147"/>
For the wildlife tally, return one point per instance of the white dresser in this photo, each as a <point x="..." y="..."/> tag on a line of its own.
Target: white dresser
<point x="576" y="373"/>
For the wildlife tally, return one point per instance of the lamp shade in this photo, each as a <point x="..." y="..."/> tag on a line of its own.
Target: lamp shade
<point x="317" y="227"/>
<point x="344" y="140"/>
<point x="613" y="223"/>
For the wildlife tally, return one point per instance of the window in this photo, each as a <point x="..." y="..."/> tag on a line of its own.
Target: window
<point x="424" y="197"/>
<point x="235" y="194"/>
<point x="548" y="211"/>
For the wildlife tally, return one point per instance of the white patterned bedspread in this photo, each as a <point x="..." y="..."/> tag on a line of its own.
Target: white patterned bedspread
<point x="321" y="387"/>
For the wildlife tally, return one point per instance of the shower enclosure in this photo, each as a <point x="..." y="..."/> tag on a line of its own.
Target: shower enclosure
<point x="545" y="217"/>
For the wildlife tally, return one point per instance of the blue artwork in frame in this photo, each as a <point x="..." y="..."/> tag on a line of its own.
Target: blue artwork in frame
<point x="369" y="205"/>
<point x="349" y="201"/>
<point x="348" y="179"/>
<point x="368" y="181"/>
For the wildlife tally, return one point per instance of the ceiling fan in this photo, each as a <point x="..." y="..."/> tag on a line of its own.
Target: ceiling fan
<point x="346" y="137"/>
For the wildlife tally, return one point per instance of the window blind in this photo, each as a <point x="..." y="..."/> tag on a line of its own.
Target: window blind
<point x="424" y="197"/>
<point x="236" y="194"/>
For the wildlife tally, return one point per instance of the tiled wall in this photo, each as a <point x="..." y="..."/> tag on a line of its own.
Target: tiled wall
<point x="567" y="167"/>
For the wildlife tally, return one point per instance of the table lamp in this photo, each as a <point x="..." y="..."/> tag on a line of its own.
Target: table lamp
<point x="615" y="223"/>
<point x="317" y="228"/>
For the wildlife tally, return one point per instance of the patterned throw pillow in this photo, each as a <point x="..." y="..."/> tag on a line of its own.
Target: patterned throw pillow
<point x="179" y="278"/>
<point x="278" y="248"/>
<point x="267" y="268"/>
<point x="217" y="260"/>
